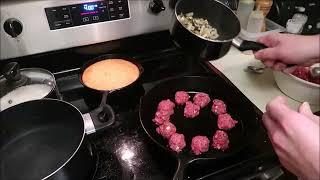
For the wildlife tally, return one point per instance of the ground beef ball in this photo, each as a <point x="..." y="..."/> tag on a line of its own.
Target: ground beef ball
<point x="181" y="97"/>
<point x="161" y="117"/>
<point x="177" y="142"/>
<point x="220" y="140"/>
<point x="200" y="144"/>
<point x="165" y="110"/>
<point x="191" y="110"/>
<point x="226" y="122"/>
<point x="166" y="105"/>
<point x="201" y="99"/>
<point x="166" y="129"/>
<point x="218" y="107"/>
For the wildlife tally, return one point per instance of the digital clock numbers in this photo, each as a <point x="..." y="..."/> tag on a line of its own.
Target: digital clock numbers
<point x="90" y="7"/>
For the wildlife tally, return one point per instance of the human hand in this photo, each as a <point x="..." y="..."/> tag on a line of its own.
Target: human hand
<point x="295" y="137"/>
<point x="288" y="49"/>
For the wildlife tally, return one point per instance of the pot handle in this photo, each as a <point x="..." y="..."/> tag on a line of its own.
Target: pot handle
<point x="100" y="118"/>
<point x="182" y="164"/>
<point x="244" y="45"/>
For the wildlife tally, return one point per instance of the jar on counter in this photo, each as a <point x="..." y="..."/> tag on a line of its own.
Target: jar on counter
<point x="244" y="10"/>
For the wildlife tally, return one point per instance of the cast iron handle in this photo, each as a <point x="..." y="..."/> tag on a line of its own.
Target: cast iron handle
<point x="11" y="71"/>
<point x="100" y="118"/>
<point x="182" y="164"/>
<point x="104" y="115"/>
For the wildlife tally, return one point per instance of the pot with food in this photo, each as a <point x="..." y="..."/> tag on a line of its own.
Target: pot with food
<point x="206" y="29"/>
<point x="113" y="76"/>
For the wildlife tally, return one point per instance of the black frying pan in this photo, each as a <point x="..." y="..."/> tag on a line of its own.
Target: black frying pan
<point x="239" y="107"/>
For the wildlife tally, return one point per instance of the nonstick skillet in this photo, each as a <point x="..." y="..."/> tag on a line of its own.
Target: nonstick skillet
<point x="238" y="106"/>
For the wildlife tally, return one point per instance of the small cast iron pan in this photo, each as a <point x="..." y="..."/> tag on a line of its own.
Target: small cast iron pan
<point x="104" y="109"/>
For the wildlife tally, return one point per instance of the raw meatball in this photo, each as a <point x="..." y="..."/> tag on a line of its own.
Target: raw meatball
<point x="177" y="142"/>
<point x="200" y="144"/>
<point x="165" y="110"/>
<point x="220" y="140"/>
<point x="218" y="107"/>
<point x="181" y="97"/>
<point x="191" y="110"/>
<point x="162" y="116"/>
<point x="201" y="99"/>
<point x="226" y="122"/>
<point x="166" y="129"/>
<point x="166" y="105"/>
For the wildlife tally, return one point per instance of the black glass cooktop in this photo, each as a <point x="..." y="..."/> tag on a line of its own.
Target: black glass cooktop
<point x="124" y="149"/>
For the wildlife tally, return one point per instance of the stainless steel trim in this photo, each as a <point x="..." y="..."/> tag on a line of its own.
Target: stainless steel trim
<point x="88" y="124"/>
<point x="37" y="37"/>
<point x="237" y="42"/>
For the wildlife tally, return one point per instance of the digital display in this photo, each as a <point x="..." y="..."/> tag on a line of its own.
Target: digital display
<point x="90" y="7"/>
<point x="86" y="13"/>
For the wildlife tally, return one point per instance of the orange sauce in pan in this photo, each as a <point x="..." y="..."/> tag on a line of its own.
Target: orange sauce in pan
<point x="110" y="74"/>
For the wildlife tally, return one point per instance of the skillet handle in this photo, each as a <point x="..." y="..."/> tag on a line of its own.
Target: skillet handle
<point x="182" y="164"/>
<point x="100" y="118"/>
<point x="244" y="45"/>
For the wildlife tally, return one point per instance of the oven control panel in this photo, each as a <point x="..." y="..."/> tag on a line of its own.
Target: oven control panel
<point x="87" y="13"/>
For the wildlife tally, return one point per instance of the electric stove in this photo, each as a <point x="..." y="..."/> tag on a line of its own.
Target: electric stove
<point x="124" y="150"/>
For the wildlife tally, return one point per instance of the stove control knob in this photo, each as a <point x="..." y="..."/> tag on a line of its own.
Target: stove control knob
<point x="156" y="6"/>
<point x="13" y="27"/>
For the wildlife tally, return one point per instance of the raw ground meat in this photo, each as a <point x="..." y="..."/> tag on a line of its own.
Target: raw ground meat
<point x="162" y="116"/>
<point x="191" y="110"/>
<point x="200" y="144"/>
<point x="201" y="99"/>
<point x="304" y="73"/>
<point x="226" y="122"/>
<point x="165" y="110"/>
<point x="220" y="140"/>
<point x="166" y="130"/>
<point x="218" y="107"/>
<point x="181" y="97"/>
<point x="166" y="105"/>
<point x="177" y="142"/>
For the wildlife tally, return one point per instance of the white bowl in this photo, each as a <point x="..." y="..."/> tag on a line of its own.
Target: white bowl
<point x="297" y="89"/>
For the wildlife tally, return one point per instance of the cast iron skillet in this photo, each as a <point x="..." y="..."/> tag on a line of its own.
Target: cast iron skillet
<point x="101" y="111"/>
<point x="240" y="108"/>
